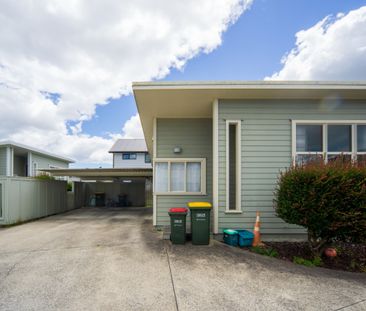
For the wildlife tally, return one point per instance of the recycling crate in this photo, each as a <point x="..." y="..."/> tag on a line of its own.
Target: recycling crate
<point x="178" y="225"/>
<point x="200" y="222"/>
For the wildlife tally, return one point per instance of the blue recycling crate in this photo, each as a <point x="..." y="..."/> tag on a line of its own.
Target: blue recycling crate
<point x="245" y="238"/>
<point x="231" y="237"/>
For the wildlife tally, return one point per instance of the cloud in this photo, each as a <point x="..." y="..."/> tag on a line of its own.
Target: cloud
<point x="132" y="128"/>
<point x="333" y="49"/>
<point x="60" y="59"/>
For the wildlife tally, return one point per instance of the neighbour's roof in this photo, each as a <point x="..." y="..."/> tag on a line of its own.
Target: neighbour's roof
<point x="35" y="150"/>
<point x="192" y="99"/>
<point x="129" y="145"/>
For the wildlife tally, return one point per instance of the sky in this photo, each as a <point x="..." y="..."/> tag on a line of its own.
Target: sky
<point x="66" y="68"/>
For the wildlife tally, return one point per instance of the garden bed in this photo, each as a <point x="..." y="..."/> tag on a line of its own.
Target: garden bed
<point x="350" y="256"/>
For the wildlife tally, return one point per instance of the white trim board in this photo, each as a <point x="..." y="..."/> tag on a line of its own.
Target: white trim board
<point x="215" y="165"/>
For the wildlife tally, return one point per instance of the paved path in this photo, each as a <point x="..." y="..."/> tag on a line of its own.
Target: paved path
<point x="112" y="259"/>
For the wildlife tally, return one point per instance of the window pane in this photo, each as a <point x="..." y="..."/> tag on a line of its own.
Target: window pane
<point x="339" y="138"/>
<point x="361" y="138"/>
<point x="339" y="157"/>
<point x="125" y="156"/>
<point x="194" y="177"/>
<point x="309" y="138"/>
<point x="133" y="156"/>
<point x="176" y="176"/>
<point x="147" y="158"/>
<point x="161" y="177"/>
<point x="307" y="158"/>
<point x="361" y="159"/>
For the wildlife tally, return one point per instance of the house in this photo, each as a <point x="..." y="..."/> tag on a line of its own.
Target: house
<point x="20" y="160"/>
<point x="227" y="142"/>
<point x="130" y="153"/>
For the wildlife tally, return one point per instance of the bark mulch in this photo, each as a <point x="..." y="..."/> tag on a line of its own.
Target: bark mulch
<point x="350" y="257"/>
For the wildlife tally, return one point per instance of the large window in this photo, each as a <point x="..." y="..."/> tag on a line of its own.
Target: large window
<point x="180" y="176"/>
<point x="329" y="140"/>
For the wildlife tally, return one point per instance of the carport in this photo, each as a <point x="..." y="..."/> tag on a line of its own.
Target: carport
<point x="111" y="187"/>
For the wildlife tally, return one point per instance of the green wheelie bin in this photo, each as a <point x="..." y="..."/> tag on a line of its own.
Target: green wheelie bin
<point x="178" y="225"/>
<point x="200" y="222"/>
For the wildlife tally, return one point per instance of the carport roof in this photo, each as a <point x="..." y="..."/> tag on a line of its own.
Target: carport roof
<point x="96" y="173"/>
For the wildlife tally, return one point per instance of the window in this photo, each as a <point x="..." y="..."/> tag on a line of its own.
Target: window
<point x="129" y="156"/>
<point x="233" y="165"/>
<point x="180" y="176"/>
<point x="328" y="140"/>
<point x="147" y="158"/>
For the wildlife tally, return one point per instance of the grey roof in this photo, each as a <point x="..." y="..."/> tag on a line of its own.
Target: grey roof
<point x="129" y="145"/>
<point x="35" y="150"/>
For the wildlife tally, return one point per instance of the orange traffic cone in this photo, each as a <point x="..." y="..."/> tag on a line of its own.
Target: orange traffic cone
<point x="257" y="234"/>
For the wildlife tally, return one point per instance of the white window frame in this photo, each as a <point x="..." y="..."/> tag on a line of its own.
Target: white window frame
<point x="353" y="123"/>
<point x="185" y="161"/>
<point x="238" y="208"/>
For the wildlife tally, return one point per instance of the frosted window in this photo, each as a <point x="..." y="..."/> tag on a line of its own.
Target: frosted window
<point x="161" y="177"/>
<point x="194" y="177"/>
<point x="177" y="177"/>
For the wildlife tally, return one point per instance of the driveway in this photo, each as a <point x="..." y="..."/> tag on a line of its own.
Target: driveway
<point x="112" y="259"/>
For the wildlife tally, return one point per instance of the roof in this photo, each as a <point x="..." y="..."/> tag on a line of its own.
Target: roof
<point x="129" y="145"/>
<point x="35" y="150"/>
<point x="97" y="173"/>
<point x="190" y="99"/>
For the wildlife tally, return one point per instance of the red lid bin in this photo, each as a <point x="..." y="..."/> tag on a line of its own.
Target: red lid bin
<point x="178" y="210"/>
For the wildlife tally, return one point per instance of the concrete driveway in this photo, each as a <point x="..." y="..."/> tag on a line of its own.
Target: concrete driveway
<point x="112" y="259"/>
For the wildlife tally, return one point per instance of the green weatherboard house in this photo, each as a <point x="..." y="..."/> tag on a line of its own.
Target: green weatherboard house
<point x="226" y="142"/>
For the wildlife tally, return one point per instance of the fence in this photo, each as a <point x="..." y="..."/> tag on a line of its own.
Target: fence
<point x="23" y="199"/>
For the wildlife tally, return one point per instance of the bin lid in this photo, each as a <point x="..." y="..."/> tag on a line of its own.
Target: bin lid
<point x="178" y="210"/>
<point x="199" y="205"/>
<point x="230" y="231"/>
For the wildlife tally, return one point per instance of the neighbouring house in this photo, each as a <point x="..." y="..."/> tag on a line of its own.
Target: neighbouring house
<point x="227" y="142"/>
<point x="20" y="160"/>
<point x="22" y="197"/>
<point x="130" y="153"/>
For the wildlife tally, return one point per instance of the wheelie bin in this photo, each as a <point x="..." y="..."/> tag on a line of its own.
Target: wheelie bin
<point x="200" y="222"/>
<point x="178" y="225"/>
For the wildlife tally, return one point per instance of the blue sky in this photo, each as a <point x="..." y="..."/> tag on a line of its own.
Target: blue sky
<point x="252" y="49"/>
<point x="51" y="91"/>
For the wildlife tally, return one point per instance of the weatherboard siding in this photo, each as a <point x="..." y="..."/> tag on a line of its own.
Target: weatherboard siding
<point x="44" y="162"/>
<point x="266" y="150"/>
<point x="3" y="161"/>
<point x="194" y="136"/>
<point x="139" y="162"/>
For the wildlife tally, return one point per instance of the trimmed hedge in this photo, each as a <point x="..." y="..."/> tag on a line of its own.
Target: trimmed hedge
<point x="329" y="200"/>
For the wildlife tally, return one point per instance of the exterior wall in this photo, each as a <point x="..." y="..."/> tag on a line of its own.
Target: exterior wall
<point x="45" y="162"/>
<point x="118" y="162"/>
<point x="266" y="150"/>
<point x="194" y="136"/>
<point x="25" y="199"/>
<point x="2" y="161"/>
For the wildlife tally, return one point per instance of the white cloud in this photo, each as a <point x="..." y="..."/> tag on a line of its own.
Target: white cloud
<point x="333" y="49"/>
<point x="88" y="52"/>
<point x="132" y="128"/>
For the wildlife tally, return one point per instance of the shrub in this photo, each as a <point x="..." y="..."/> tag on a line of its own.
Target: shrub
<point x="264" y="251"/>
<point x="316" y="262"/>
<point x="45" y="176"/>
<point x="329" y="200"/>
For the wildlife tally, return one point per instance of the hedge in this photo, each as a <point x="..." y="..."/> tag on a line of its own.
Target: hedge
<point x="329" y="200"/>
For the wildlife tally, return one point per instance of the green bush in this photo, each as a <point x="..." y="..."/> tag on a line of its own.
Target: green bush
<point x="45" y="176"/>
<point x="329" y="200"/>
